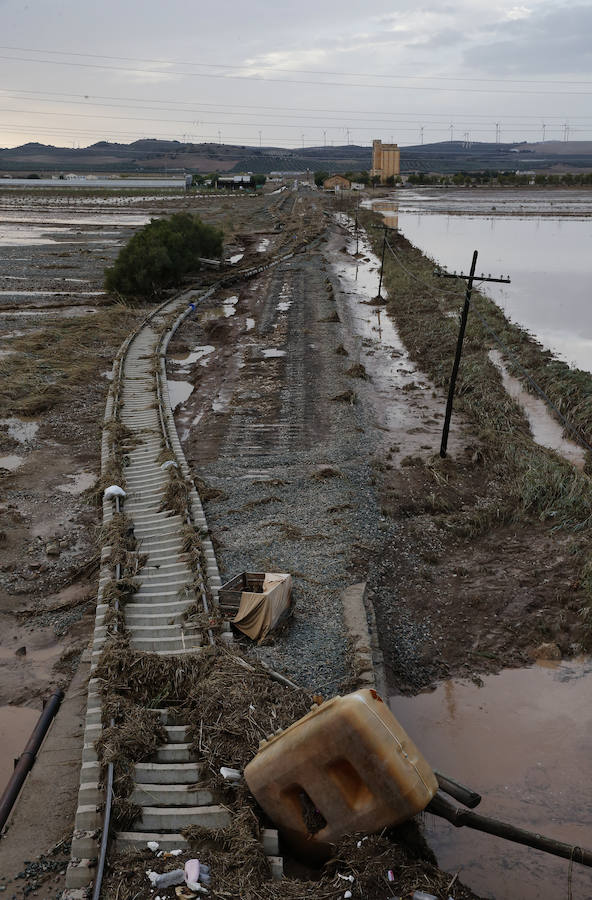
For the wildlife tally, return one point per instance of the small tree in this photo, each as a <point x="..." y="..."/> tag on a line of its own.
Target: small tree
<point x="320" y="177"/>
<point x="160" y="254"/>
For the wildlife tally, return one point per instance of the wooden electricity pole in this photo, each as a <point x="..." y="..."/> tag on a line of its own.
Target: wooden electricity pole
<point x="459" y="343"/>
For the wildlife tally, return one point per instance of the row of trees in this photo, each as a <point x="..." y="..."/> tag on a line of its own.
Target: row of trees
<point x="160" y="254"/>
<point x="494" y="177"/>
<point x="359" y="177"/>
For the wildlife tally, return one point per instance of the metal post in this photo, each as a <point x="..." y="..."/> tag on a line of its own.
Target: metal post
<point x="27" y="757"/>
<point x="379" y="295"/>
<point x="459" y="344"/>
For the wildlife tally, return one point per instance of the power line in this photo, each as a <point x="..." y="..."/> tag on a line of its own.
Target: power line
<point x="254" y="65"/>
<point x="170" y="101"/>
<point x="259" y="78"/>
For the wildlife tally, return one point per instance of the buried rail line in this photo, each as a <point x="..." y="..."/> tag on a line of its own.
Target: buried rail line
<point x="141" y="456"/>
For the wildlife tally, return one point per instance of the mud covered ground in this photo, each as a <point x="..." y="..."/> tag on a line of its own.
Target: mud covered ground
<point x="268" y="364"/>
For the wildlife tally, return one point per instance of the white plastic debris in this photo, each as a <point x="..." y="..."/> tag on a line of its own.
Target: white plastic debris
<point x="153" y="845"/>
<point x="174" y="853"/>
<point x="347" y="895"/>
<point x="166" y="879"/>
<point x="390" y="875"/>
<point x="169" y="463"/>
<point x="349" y="878"/>
<point x="230" y="774"/>
<point x="113" y="491"/>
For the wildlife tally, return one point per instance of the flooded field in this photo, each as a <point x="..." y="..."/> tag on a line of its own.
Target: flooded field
<point x="522" y="740"/>
<point x="540" y="239"/>
<point x="16" y="725"/>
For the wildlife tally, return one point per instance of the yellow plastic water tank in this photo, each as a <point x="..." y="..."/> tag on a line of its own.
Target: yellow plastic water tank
<point x="347" y="766"/>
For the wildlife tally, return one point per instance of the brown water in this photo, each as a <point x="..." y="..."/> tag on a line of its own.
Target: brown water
<point x="546" y="431"/>
<point x="16" y="725"/>
<point x="409" y="410"/>
<point x="523" y="741"/>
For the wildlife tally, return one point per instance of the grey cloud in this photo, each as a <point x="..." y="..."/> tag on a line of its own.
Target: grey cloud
<point x="447" y="37"/>
<point x="552" y="40"/>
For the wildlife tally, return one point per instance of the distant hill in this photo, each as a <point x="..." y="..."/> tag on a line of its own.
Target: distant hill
<point x="174" y="157"/>
<point x="151" y="156"/>
<point x="455" y="156"/>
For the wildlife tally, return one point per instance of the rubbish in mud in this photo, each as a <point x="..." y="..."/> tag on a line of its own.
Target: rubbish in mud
<point x="166" y="879"/>
<point x="196" y="872"/>
<point x="153" y="845"/>
<point x="230" y="774"/>
<point x="113" y="491"/>
<point x="168" y="463"/>
<point x="259" y="601"/>
<point x="345" y="767"/>
<point x="183" y="893"/>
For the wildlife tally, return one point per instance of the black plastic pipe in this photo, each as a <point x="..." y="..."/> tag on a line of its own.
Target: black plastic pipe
<point x="27" y="757"/>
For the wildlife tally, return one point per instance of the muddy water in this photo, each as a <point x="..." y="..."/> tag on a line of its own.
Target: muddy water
<point x="79" y="482"/>
<point x="545" y="430"/>
<point x="409" y="415"/>
<point x="16" y="725"/>
<point x="11" y="462"/>
<point x="179" y="392"/>
<point x="523" y="742"/>
<point x="547" y="259"/>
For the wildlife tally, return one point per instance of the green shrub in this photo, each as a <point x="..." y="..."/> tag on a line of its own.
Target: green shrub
<point x="161" y="253"/>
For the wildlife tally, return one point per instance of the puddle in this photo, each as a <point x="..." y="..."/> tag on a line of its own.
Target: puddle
<point x="11" y="462"/>
<point x="523" y="742"/>
<point x="52" y="293"/>
<point x="198" y="354"/>
<point x="273" y="353"/>
<point x="179" y="392"/>
<point x="16" y="725"/>
<point x="545" y="430"/>
<point x="222" y="400"/>
<point x="79" y="482"/>
<point x="22" y="430"/>
<point x="229" y="306"/>
<point x="400" y="394"/>
<point x="285" y="299"/>
<point x="58" y="311"/>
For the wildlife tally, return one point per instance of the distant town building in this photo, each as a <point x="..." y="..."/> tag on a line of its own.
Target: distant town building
<point x="336" y="183"/>
<point x="386" y="161"/>
<point x="235" y="181"/>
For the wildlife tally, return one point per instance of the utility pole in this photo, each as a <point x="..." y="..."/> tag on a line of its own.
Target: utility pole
<point x="347" y="129"/>
<point x="451" y="132"/>
<point x="421" y="135"/>
<point x="461" y="334"/>
<point x="566" y="132"/>
<point x="497" y="132"/>
<point x="379" y="295"/>
<point x="324" y="138"/>
<point x="544" y="129"/>
<point x="259" y="138"/>
<point x="219" y="137"/>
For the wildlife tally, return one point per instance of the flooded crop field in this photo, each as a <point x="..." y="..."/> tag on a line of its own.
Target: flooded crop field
<point x="538" y="238"/>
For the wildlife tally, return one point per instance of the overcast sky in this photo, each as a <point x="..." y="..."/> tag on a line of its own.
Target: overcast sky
<point x="287" y="74"/>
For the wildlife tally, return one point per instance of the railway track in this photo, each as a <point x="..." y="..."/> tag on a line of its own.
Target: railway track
<point x="139" y="433"/>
